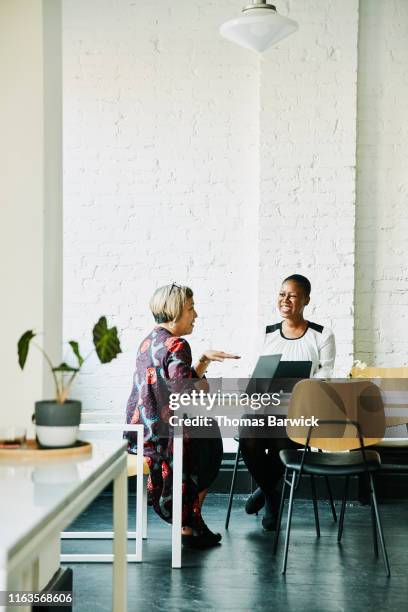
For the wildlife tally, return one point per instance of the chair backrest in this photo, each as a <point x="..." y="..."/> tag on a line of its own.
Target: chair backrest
<point x="342" y="400"/>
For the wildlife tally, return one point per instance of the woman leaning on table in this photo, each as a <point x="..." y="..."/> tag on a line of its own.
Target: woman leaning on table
<point x="163" y="362"/>
<point x="296" y="339"/>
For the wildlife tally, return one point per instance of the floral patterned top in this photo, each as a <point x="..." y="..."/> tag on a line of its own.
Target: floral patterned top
<point x="162" y="358"/>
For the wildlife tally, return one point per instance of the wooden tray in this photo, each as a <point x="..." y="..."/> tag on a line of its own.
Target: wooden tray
<point x="33" y="451"/>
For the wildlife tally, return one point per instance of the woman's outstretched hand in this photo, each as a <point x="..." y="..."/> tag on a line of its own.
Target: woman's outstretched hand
<point x="209" y="356"/>
<point x="219" y="356"/>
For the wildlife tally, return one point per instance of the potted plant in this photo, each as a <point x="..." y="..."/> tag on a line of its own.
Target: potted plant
<point x="57" y="421"/>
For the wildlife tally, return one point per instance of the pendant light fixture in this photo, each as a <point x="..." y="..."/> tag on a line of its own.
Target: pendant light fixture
<point x="258" y="27"/>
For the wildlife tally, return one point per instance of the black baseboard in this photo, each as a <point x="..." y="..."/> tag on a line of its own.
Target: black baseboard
<point x="389" y="485"/>
<point x="62" y="580"/>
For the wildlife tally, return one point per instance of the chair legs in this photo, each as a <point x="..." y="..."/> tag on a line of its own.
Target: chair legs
<point x="374" y="527"/>
<point x="282" y="503"/>
<point x="234" y="477"/>
<point x="232" y="490"/>
<point x="315" y="507"/>
<point x="288" y="522"/>
<point x="379" y="526"/>
<point x="375" y="518"/>
<point x="329" y="492"/>
<point x="343" y="510"/>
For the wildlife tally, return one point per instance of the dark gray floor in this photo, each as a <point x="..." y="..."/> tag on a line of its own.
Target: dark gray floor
<point x="243" y="574"/>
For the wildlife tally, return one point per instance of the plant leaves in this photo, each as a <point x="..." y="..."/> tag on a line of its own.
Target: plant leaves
<point x="106" y="341"/>
<point x="75" y="347"/>
<point x="64" y="367"/>
<point x="23" y="346"/>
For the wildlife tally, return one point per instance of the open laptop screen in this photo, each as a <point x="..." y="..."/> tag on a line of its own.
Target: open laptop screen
<point x="288" y="373"/>
<point x="293" y="369"/>
<point x="263" y="374"/>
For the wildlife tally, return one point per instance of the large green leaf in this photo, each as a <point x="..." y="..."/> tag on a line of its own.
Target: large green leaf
<point x="64" y="367"/>
<point x="23" y="346"/>
<point x="75" y="347"/>
<point x="106" y="341"/>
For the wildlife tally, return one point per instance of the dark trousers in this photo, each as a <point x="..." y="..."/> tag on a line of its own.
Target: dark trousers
<point x="205" y="454"/>
<point x="261" y="456"/>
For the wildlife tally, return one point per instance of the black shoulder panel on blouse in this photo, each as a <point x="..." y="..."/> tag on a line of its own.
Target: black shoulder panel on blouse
<point x="316" y="327"/>
<point x="272" y="328"/>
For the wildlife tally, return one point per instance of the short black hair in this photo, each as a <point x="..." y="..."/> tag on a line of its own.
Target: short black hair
<point x="302" y="281"/>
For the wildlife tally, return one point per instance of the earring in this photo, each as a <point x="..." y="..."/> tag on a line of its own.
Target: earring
<point x="172" y="324"/>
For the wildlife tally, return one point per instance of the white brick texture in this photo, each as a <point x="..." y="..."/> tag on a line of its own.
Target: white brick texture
<point x="382" y="185"/>
<point x="161" y="132"/>
<point x="189" y="159"/>
<point x="307" y="176"/>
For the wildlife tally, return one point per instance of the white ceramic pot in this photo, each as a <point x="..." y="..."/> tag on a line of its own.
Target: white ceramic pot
<point x="57" y="436"/>
<point x="57" y="425"/>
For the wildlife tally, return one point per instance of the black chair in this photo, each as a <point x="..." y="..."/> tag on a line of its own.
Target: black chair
<point x="238" y="459"/>
<point x="335" y="405"/>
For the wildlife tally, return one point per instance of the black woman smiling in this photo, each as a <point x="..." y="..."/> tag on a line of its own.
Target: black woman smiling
<point x="296" y="339"/>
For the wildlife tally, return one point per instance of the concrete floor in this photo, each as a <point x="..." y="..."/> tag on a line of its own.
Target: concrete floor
<point x="242" y="573"/>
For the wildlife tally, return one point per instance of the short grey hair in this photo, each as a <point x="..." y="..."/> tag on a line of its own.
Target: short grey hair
<point x="167" y="302"/>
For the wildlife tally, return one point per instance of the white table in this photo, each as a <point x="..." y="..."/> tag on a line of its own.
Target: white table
<point x="39" y="499"/>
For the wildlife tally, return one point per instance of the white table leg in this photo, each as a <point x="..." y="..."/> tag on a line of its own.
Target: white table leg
<point x="18" y="579"/>
<point x="141" y="509"/>
<point x="120" y="514"/>
<point x="144" y="508"/>
<point x="177" y="497"/>
<point x="139" y="495"/>
<point x="3" y="585"/>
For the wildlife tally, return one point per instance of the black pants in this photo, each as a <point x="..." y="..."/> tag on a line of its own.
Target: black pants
<point x="261" y="456"/>
<point x="205" y="454"/>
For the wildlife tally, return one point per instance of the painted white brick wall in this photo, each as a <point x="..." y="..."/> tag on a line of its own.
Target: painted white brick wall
<point x="161" y="131"/>
<point x="307" y="182"/>
<point x="382" y="185"/>
<point x="190" y="159"/>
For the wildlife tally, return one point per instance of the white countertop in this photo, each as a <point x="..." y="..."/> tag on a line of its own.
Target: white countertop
<point x="31" y="493"/>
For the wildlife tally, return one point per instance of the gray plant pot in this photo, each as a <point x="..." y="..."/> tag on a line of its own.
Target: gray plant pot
<point x="57" y="425"/>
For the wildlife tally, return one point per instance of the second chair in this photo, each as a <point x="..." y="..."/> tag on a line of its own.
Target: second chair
<point x="350" y="416"/>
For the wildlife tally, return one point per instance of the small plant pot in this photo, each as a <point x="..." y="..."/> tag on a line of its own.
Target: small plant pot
<point x="57" y="425"/>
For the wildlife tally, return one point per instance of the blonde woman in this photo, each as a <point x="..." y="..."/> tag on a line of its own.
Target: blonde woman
<point x="165" y="357"/>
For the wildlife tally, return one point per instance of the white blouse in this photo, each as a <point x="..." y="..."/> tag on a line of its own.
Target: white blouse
<point x="316" y="345"/>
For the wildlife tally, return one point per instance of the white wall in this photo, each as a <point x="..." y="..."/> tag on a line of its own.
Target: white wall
<point x="382" y="186"/>
<point x="308" y="138"/>
<point x="161" y="177"/>
<point x="30" y="179"/>
<point x="190" y="159"/>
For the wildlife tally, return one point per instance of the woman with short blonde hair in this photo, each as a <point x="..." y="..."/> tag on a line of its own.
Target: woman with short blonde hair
<point x="164" y="358"/>
<point x="167" y="304"/>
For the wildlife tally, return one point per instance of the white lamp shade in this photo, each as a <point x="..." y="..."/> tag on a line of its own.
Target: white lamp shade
<point x="258" y="29"/>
